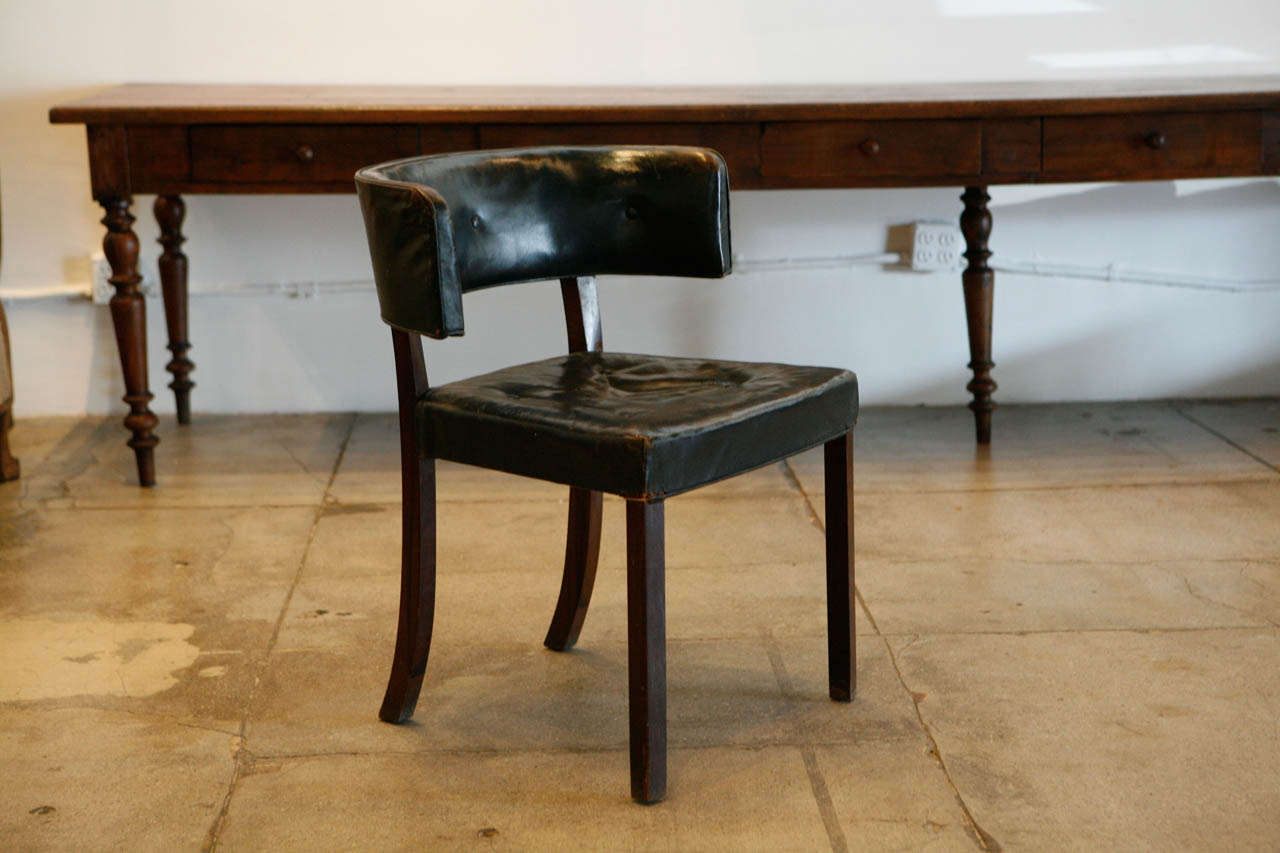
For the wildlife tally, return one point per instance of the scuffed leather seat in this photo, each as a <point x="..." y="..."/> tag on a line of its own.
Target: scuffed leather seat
<point x="639" y="426"/>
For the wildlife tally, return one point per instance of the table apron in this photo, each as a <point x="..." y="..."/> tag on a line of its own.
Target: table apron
<point x="320" y="157"/>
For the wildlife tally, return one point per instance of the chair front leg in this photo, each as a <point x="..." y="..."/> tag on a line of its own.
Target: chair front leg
<point x="647" y="650"/>
<point x="841" y="638"/>
<point x="417" y="538"/>
<point x="581" y="554"/>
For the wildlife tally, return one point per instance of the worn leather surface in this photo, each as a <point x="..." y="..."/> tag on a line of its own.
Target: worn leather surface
<point x="640" y="426"/>
<point x="443" y="225"/>
<point x="635" y="425"/>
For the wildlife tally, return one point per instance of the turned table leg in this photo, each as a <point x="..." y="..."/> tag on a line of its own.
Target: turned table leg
<point x="979" y="286"/>
<point x="129" y="316"/>
<point x="170" y="210"/>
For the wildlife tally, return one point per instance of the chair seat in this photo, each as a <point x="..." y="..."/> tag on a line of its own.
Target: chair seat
<point x="639" y="426"/>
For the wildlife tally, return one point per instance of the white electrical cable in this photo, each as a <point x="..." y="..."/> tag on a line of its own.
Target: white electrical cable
<point x="291" y="289"/>
<point x="1113" y="272"/>
<point x="47" y="292"/>
<point x="750" y="265"/>
<point x="1119" y="272"/>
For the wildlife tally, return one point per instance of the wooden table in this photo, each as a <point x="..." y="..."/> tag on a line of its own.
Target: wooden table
<point x="177" y="139"/>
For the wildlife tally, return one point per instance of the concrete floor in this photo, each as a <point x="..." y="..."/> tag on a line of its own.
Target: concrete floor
<point x="1072" y="642"/>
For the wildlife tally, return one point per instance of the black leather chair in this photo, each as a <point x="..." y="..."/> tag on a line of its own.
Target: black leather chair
<point x="641" y="426"/>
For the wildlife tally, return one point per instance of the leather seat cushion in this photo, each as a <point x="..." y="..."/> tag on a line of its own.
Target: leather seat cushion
<point x="640" y="426"/>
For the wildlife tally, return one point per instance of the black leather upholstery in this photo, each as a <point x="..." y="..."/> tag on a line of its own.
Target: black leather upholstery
<point x="644" y="427"/>
<point x="640" y="426"/>
<point x="444" y="225"/>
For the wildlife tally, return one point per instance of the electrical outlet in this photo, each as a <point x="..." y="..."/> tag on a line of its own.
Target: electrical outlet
<point x="936" y="246"/>
<point x="101" y="271"/>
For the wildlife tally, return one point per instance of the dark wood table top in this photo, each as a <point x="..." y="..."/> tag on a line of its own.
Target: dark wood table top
<point x="160" y="103"/>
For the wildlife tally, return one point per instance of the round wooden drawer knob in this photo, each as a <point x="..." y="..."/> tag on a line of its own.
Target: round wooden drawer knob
<point x="1156" y="140"/>
<point x="869" y="147"/>
<point x="305" y="153"/>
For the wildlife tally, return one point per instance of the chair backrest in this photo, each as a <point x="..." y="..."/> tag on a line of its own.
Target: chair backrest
<point x="443" y="225"/>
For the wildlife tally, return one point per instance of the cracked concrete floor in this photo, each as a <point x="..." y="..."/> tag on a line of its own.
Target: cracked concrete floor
<point x="1071" y="641"/>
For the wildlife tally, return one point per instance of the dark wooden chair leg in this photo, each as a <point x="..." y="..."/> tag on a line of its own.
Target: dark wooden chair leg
<point x="582" y="543"/>
<point x="170" y="211"/>
<point x="581" y="554"/>
<point x="418" y="540"/>
<point x="979" y="287"/>
<point x="647" y="650"/>
<point x="841" y="604"/>
<point x="129" y="316"/>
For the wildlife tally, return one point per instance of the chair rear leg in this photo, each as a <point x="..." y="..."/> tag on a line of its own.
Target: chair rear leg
<point x="417" y="594"/>
<point x="841" y="638"/>
<point x="581" y="554"/>
<point x="417" y="540"/>
<point x="647" y="650"/>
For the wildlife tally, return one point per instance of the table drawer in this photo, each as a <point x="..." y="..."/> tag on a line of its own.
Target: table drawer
<point x="871" y="149"/>
<point x="736" y="142"/>
<point x="294" y="152"/>
<point x="1154" y="146"/>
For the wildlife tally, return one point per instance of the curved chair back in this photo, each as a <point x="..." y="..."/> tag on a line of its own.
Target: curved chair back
<point x="443" y="225"/>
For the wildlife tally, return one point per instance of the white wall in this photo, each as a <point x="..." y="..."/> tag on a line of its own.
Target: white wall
<point x="903" y="333"/>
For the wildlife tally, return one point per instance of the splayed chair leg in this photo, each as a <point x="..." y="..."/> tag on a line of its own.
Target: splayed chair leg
<point x="581" y="554"/>
<point x="582" y="543"/>
<point x="418" y="541"/>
